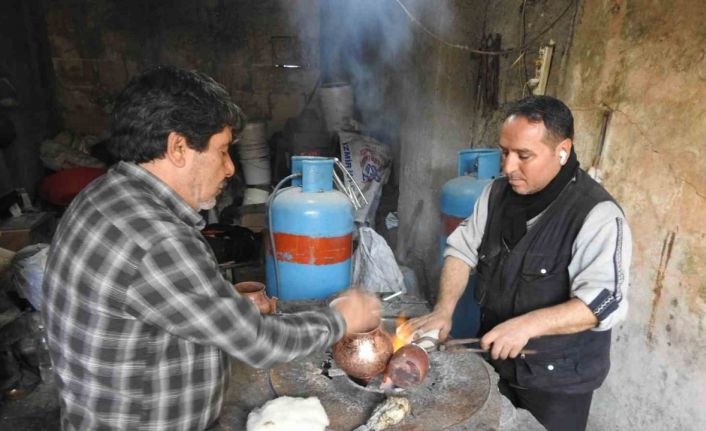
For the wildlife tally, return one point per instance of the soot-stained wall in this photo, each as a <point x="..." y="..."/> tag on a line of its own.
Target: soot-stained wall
<point x="97" y="45"/>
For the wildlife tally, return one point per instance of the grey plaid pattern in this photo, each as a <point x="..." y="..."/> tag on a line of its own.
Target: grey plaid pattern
<point x="139" y="320"/>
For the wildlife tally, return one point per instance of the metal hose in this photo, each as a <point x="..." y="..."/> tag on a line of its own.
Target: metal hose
<point x="271" y="199"/>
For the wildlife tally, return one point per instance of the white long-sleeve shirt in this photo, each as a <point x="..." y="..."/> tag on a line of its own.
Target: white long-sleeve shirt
<point x="600" y="259"/>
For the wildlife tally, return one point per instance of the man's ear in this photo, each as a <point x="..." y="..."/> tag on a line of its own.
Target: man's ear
<point x="564" y="145"/>
<point x="177" y="149"/>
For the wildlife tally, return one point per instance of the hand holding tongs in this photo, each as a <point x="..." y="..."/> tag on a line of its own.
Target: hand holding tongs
<point x="431" y="344"/>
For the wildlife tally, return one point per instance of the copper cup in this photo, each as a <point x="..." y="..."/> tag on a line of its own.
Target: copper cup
<point x="255" y="292"/>
<point x="363" y="355"/>
<point x="408" y="366"/>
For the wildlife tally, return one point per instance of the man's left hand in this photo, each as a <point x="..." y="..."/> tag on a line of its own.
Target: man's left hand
<point x="507" y="339"/>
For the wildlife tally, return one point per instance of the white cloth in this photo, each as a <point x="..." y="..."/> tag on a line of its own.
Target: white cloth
<point x="289" y="414"/>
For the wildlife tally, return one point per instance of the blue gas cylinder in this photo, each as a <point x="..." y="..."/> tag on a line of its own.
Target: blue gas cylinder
<point x="312" y="225"/>
<point x="476" y="168"/>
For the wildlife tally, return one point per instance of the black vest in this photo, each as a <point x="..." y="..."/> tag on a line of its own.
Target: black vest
<point x="533" y="275"/>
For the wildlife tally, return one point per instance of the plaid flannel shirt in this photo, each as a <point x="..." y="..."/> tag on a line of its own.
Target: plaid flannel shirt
<point x="139" y="320"/>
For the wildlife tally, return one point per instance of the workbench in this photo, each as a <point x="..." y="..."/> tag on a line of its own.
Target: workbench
<point x="459" y="393"/>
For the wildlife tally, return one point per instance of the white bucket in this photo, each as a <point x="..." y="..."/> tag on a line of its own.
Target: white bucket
<point x="337" y="104"/>
<point x="256" y="171"/>
<point x="254" y="133"/>
<point x="255" y="196"/>
<point x="253" y="142"/>
<point x="254" y="152"/>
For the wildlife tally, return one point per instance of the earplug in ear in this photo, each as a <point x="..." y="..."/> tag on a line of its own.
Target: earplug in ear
<point x="562" y="157"/>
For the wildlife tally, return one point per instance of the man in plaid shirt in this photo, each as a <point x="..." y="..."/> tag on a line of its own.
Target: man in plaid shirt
<point x="139" y="320"/>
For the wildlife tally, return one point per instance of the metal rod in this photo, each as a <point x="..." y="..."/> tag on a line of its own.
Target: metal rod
<point x="351" y="181"/>
<point x="394" y="295"/>
<point x="444" y="345"/>
<point x="343" y="189"/>
<point x="479" y="350"/>
<point x="462" y="341"/>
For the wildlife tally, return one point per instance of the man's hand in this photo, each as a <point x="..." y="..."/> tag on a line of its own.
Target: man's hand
<point x="360" y="309"/>
<point x="437" y="319"/>
<point x="454" y="277"/>
<point x="507" y="339"/>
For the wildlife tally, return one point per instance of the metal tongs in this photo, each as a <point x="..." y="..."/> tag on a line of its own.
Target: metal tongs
<point x="431" y="344"/>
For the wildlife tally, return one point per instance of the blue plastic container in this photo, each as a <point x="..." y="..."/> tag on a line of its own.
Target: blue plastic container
<point x="313" y="229"/>
<point x="476" y="168"/>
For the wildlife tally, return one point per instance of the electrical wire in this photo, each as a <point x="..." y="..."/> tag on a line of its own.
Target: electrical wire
<point x="479" y="51"/>
<point x="523" y="58"/>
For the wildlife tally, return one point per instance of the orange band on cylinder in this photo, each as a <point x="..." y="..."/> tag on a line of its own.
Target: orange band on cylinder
<point x="450" y="223"/>
<point x="313" y="251"/>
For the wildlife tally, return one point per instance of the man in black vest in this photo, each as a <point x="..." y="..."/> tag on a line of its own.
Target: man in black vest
<point x="552" y="251"/>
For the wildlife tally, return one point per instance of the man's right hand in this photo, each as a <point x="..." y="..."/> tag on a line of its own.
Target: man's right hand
<point x="437" y="319"/>
<point x="454" y="277"/>
<point x="360" y="309"/>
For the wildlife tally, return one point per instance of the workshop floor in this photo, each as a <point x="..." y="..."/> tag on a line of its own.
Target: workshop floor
<point x="39" y="410"/>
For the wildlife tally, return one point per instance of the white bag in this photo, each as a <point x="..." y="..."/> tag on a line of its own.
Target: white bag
<point x="369" y="163"/>
<point x="374" y="266"/>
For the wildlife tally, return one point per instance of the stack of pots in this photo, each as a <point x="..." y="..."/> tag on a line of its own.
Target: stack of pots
<point x="255" y="154"/>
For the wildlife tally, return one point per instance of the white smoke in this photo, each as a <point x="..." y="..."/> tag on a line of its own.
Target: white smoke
<point x="367" y="43"/>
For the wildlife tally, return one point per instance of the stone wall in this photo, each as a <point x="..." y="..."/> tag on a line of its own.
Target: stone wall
<point x="644" y="62"/>
<point x="97" y="45"/>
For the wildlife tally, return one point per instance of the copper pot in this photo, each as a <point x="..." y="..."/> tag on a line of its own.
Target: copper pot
<point x="255" y="292"/>
<point x="365" y="354"/>
<point x="408" y="366"/>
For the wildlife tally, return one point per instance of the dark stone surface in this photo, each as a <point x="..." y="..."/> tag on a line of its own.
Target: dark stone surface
<point x="37" y="411"/>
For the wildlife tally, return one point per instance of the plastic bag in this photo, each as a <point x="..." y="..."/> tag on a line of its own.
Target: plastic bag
<point x="28" y="272"/>
<point x="374" y="264"/>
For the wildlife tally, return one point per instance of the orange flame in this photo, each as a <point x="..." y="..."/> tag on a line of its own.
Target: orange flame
<point x="403" y="334"/>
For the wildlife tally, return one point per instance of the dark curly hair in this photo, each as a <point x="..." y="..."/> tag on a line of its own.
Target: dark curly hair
<point x="167" y="99"/>
<point x="555" y="115"/>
